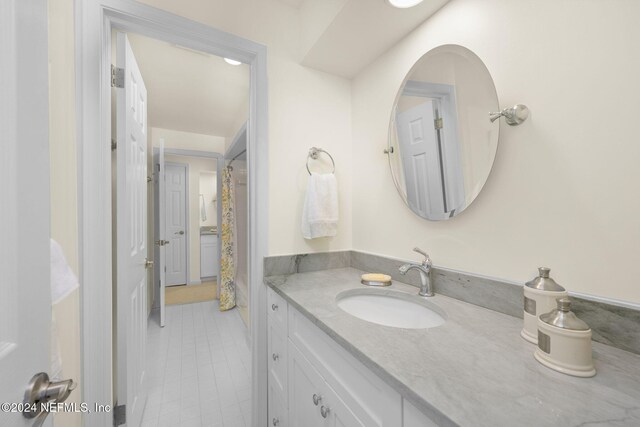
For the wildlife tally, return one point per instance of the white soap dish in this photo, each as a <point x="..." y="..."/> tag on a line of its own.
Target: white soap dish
<point x="375" y="279"/>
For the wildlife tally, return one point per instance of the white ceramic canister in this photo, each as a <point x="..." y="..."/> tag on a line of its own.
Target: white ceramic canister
<point x="564" y="342"/>
<point x="540" y="296"/>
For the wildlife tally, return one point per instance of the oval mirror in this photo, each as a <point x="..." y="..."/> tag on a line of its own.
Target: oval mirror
<point x="441" y="141"/>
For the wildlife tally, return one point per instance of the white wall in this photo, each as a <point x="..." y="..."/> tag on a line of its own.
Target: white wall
<point x="239" y="121"/>
<point x="306" y="108"/>
<point x="187" y="140"/>
<point x="209" y="190"/>
<point x="565" y="186"/>
<point x="63" y="182"/>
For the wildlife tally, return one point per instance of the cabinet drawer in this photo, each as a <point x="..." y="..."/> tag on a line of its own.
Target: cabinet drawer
<point x="367" y="396"/>
<point x="306" y="391"/>
<point x="277" y="359"/>
<point x="277" y="308"/>
<point x="314" y="402"/>
<point x="277" y="410"/>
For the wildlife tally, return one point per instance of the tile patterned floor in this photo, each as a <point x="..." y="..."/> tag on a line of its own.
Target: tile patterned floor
<point x="198" y="368"/>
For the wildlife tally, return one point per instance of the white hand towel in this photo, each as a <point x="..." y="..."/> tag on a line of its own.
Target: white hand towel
<point x="320" y="211"/>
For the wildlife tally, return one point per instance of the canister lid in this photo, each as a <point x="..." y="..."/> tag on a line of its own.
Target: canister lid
<point x="544" y="283"/>
<point x="563" y="317"/>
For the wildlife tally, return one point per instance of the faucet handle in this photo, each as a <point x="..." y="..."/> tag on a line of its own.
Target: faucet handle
<point x="427" y="259"/>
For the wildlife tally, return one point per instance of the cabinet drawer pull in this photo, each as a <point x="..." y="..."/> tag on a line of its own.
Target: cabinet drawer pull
<point x="324" y="411"/>
<point x="275" y="422"/>
<point x="316" y="399"/>
<point x="275" y="357"/>
<point x="274" y="307"/>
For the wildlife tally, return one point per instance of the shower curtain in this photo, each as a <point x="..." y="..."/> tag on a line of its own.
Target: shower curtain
<point x="227" y="262"/>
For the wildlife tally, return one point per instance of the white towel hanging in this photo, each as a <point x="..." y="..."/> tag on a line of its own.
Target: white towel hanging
<point x="320" y="211"/>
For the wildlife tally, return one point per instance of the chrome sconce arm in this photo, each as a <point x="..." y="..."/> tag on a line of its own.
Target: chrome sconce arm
<point x="513" y="116"/>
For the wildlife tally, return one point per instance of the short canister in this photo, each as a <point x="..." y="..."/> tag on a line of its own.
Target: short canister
<point x="540" y="296"/>
<point x="564" y="342"/>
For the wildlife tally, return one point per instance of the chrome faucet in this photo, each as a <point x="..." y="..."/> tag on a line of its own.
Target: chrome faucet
<point x="426" y="290"/>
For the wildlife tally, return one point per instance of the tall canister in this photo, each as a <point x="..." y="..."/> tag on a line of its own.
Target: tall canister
<point x="540" y="296"/>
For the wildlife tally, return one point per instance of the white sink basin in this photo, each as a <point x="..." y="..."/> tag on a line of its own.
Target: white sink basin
<point x="391" y="308"/>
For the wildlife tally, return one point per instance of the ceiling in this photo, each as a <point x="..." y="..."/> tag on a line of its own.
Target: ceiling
<point x="358" y="32"/>
<point x="191" y="91"/>
<point x="293" y="3"/>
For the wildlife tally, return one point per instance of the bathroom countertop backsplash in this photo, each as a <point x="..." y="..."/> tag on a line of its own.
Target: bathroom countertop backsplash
<point x="475" y="370"/>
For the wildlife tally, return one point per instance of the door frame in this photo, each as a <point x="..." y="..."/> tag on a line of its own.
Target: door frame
<point x="94" y="22"/>
<point x="219" y="165"/>
<point x="187" y="228"/>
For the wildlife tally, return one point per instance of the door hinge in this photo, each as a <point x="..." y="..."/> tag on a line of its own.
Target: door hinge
<point x="117" y="77"/>
<point x="119" y="415"/>
<point x="114" y="144"/>
<point x="437" y="123"/>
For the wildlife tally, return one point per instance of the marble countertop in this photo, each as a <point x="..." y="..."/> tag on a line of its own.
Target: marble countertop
<point x="475" y="370"/>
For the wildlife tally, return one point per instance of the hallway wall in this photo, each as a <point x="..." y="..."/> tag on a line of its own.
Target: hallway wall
<point x="306" y="108"/>
<point x="63" y="184"/>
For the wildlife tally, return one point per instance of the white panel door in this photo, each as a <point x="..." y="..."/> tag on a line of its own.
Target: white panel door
<point x="176" y="223"/>
<point x="25" y="302"/>
<point x="418" y="142"/>
<point x="131" y="319"/>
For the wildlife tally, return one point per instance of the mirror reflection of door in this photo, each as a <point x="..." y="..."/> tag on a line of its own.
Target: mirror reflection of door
<point x="176" y="223"/>
<point x="427" y="136"/>
<point x="451" y="88"/>
<point x="420" y="159"/>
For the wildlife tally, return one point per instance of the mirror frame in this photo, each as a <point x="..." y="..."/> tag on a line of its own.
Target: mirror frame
<point x="389" y="151"/>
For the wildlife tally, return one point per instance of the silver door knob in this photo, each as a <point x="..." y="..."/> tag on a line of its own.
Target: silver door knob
<point x="324" y="411"/>
<point x="40" y="392"/>
<point x="316" y="399"/>
<point x="148" y="263"/>
<point x="275" y="357"/>
<point x="181" y="232"/>
<point x="274" y="307"/>
<point x="275" y="422"/>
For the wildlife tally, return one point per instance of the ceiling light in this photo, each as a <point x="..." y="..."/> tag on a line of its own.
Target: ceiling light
<point x="403" y="4"/>
<point x="233" y="61"/>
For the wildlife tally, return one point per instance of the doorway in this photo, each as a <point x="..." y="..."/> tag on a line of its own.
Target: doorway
<point x="212" y="98"/>
<point x="202" y="210"/>
<point x="96" y="18"/>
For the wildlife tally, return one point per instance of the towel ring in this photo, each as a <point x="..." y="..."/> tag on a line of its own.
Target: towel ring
<point x="314" y="153"/>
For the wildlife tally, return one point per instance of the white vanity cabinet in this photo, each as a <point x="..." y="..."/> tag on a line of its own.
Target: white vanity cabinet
<point x="209" y="259"/>
<point x="312" y="401"/>
<point x="313" y="381"/>
<point x="277" y="362"/>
